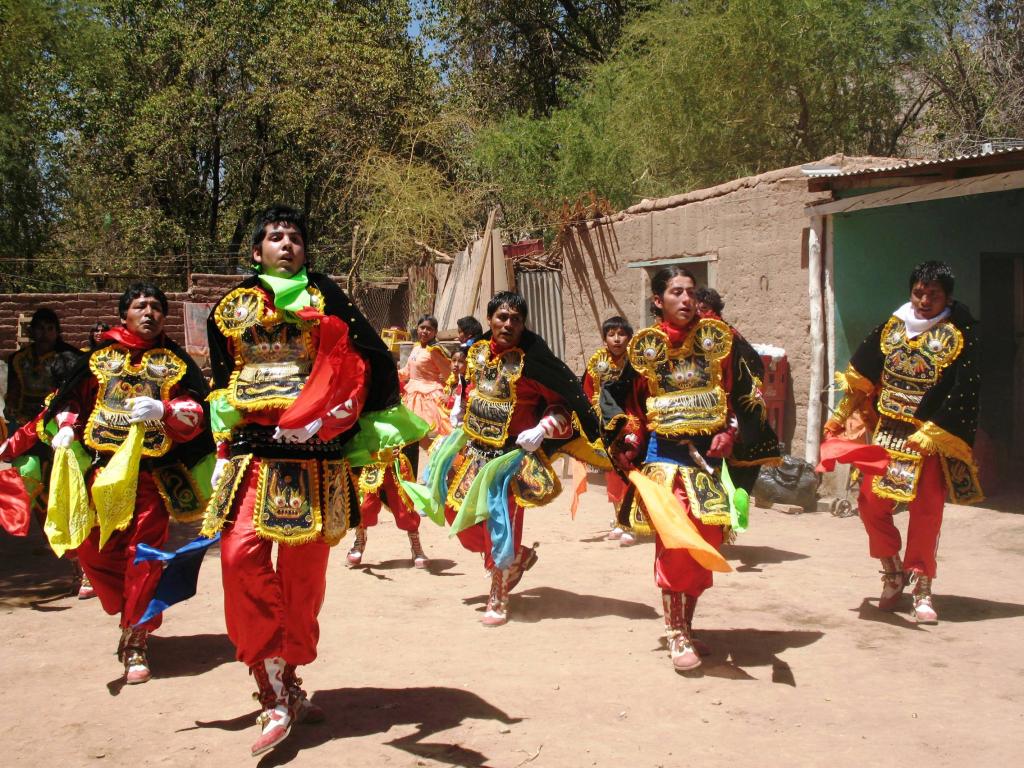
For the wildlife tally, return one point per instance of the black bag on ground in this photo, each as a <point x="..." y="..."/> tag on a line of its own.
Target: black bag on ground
<point x="792" y="482"/>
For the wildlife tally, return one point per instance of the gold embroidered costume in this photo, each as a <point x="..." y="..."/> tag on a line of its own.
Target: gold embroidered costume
<point x="686" y="393"/>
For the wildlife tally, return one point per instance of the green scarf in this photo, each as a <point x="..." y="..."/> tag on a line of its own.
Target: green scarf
<point x="290" y="294"/>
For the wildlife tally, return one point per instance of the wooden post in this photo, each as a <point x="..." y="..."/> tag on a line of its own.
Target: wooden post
<point x="815" y="238"/>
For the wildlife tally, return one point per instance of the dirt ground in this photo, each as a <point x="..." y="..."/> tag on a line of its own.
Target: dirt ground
<point x="805" y="671"/>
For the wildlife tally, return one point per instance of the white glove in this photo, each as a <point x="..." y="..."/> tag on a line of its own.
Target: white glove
<point x="530" y="439"/>
<point x="342" y="411"/>
<point x="218" y="472"/>
<point x="64" y="438"/>
<point x="145" y="409"/>
<point x="299" y="435"/>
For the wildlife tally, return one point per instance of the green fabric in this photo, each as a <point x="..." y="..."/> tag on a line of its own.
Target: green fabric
<point x="29" y="466"/>
<point x="393" y="428"/>
<point x="290" y="294"/>
<point x="441" y="456"/>
<point x="739" y="502"/>
<point x="474" y="506"/>
<point x="223" y="415"/>
<point x="423" y="500"/>
<point x="202" y="473"/>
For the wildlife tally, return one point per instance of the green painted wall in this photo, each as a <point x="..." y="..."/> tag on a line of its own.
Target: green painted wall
<point x="875" y="251"/>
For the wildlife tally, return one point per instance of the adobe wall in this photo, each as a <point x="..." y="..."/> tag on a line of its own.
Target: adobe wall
<point x="753" y="229"/>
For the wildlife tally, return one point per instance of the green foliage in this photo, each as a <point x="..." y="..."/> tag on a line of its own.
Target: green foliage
<point x="176" y="122"/>
<point x="701" y="92"/>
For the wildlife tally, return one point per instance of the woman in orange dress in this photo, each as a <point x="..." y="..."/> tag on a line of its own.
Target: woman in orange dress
<point x="423" y="379"/>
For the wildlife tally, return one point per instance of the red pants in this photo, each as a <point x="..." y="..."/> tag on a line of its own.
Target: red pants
<point x="406" y="518"/>
<point x="270" y="612"/>
<point x="123" y="587"/>
<point x="924" y="525"/>
<point x="675" y="569"/>
<point x="477" y="539"/>
<point x="616" y="487"/>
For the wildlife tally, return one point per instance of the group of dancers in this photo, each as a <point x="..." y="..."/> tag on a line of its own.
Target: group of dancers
<point x="304" y="436"/>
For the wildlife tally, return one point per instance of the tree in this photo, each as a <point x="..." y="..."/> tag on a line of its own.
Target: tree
<point x="700" y="92"/>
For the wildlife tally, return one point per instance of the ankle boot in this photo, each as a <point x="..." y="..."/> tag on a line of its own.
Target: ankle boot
<point x="923" y="612"/>
<point x="419" y="557"/>
<point x="275" y="720"/>
<point x="355" y="555"/>
<point x="497" y="602"/>
<point x="894" y="581"/>
<point x="677" y="632"/>
<point x="303" y="710"/>
<point x="132" y="651"/>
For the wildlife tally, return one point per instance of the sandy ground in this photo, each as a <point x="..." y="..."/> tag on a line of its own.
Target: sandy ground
<point x="806" y="671"/>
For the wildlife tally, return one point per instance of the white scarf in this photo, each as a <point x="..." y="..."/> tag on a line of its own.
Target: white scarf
<point x="917" y="325"/>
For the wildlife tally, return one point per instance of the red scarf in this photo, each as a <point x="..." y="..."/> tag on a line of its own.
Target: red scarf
<point x="122" y="335"/>
<point x="676" y="336"/>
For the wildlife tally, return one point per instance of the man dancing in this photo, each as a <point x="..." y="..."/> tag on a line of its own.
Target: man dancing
<point x="520" y="397"/>
<point x="136" y="403"/>
<point x="915" y="380"/>
<point x="294" y="365"/>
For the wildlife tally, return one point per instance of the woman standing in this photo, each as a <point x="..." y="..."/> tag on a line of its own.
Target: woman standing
<point x="423" y="379"/>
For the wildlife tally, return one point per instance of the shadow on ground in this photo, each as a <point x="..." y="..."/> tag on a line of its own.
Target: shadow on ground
<point x="540" y="603"/>
<point x="955" y="608"/>
<point x="357" y="712"/>
<point x="182" y="656"/>
<point x="751" y="557"/>
<point x="735" y="650"/>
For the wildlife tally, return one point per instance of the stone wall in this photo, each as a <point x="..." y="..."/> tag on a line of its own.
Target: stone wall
<point x="752" y="233"/>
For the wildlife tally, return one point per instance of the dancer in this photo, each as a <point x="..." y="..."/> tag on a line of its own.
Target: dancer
<point x="524" y="407"/>
<point x="915" y="380"/>
<point x="143" y="447"/>
<point x="29" y="379"/>
<point x="677" y="409"/>
<point x="294" y="365"/>
<point x="605" y="366"/>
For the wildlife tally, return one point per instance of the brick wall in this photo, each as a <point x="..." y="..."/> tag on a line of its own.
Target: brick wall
<point x="78" y="312"/>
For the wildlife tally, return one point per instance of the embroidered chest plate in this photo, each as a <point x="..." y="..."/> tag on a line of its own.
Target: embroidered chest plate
<point x="602" y="369"/>
<point x="913" y="366"/>
<point x="493" y="398"/>
<point x="687" y="397"/>
<point x="119" y="379"/>
<point x="273" y="358"/>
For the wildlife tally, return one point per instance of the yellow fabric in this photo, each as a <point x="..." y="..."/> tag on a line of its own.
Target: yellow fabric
<point x="116" y="485"/>
<point x="579" y="485"/>
<point x="673" y="525"/>
<point x="931" y="438"/>
<point x="69" y="516"/>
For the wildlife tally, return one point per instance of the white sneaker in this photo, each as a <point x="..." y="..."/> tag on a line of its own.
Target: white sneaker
<point x="614" y="534"/>
<point x="627" y="539"/>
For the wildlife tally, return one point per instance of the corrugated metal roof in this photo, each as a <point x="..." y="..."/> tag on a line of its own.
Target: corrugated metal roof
<point x="543" y="293"/>
<point x="831" y="172"/>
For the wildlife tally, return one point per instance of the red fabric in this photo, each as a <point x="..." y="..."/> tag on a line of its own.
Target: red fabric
<point x="616" y="487"/>
<point x="22" y="440"/>
<point x="675" y="569"/>
<point x="15" y="505"/>
<point x="869" y="459"/>
<point x="925" y="513"/>
<point x="406" y="517"/>
<point x="183" y="419"/>
<point x="338" y="375"/>
<point x="270" y="611"/>
<point x="476" y="538"/>
<point x="122" y="335"/>
<point x="123" y="587"/>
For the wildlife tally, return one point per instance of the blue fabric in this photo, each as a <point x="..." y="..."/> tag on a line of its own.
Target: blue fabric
<point x="499" y="519"/>
<point x="667" y="451"/>
<point x="181" y="573"/>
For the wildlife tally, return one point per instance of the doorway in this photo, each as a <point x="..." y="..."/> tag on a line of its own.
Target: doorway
<point x="1000" y="445"/>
